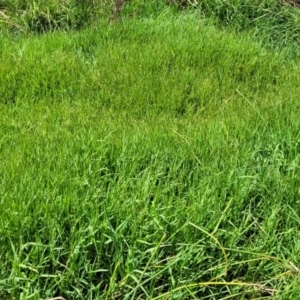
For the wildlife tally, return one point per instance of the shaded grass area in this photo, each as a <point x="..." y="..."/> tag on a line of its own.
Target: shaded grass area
<point x="275" y="21"/>
<point x="153" y="159"/>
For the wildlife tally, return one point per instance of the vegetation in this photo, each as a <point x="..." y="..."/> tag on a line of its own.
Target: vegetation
<point x="280" y="19"/>
<point x="153" y="158"/>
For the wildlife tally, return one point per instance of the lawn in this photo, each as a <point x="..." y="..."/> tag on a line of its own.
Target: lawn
<point x="151" y="158"/>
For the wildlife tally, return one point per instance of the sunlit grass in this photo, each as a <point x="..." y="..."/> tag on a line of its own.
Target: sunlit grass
<point x="151" y="159"/>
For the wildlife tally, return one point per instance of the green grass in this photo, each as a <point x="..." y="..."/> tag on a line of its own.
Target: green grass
<point x="275" y="21"/>
<point x="40" y="16"/>
<point x="149" y="159"/>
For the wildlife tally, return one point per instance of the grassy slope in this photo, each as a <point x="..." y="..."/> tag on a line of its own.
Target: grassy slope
<point x="141" y="159"/>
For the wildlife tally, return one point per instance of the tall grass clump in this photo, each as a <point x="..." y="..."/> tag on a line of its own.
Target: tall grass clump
<point x="40" y="16"/>
<point x="153" y="158"/>
<point x="275" y="21"/>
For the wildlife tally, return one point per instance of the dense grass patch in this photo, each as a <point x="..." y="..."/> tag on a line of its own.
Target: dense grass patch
<point x="129" y="66"/>
<point x="41" y="16"/>
<point x="152" y="159"/>
<point x="276" y="22"/>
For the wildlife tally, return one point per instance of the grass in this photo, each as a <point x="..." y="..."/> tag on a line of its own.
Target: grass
<point x="277" y="21"/>
<point x="157" y="158"/>
<point x="39" y="16"/>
